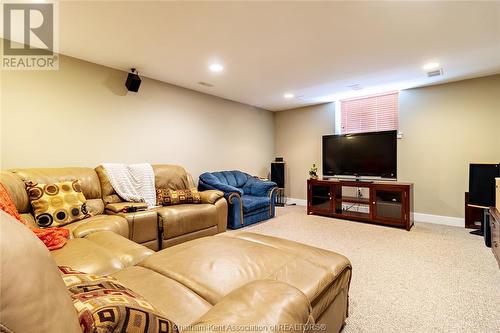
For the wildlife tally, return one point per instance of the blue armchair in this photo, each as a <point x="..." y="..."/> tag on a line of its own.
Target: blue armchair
<point x="250" y="199"/>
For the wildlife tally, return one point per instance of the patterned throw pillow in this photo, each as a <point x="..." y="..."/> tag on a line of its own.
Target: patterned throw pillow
<point x="57" y="204"/>
<point x="166" y="197"/>
<point x="105" y="305"/>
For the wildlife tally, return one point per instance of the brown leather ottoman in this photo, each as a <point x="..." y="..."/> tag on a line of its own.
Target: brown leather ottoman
<point x="213" y="267"/>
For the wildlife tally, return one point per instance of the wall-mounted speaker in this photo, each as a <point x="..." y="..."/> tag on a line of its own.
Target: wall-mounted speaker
<point x="133" y="81"/>
<point x="278" y="174"/>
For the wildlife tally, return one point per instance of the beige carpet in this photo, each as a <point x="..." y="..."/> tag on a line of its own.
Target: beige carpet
<point x="432" y="279"/>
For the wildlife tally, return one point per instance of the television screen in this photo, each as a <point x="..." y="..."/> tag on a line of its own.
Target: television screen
<point x="364" y="154"/>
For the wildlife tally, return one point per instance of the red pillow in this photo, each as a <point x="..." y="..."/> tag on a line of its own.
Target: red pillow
<point x="7" y="205"/>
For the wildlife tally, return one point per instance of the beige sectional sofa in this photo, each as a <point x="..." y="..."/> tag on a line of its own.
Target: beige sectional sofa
<point x="158" y="228"/>
<point x="256" y="282"/>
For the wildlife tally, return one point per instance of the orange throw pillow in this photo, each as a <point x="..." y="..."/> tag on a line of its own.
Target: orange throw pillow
<point x="53" y="238"/>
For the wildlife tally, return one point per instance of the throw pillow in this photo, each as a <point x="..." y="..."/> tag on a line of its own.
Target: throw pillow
<point x="7" y="205"/>
<point x="57" y="204"/>
<point x="53" y="238"/>
<point x="166" y="197"/>
<point x="105" y="305"/>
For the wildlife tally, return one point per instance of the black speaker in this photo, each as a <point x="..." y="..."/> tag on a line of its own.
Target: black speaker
<point x="278" y="174"/>
<point x="482" y="184"/>
<point x="133" y="81"/>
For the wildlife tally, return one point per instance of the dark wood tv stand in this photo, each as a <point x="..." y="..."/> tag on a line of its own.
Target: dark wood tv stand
<point x="388" y="203"/>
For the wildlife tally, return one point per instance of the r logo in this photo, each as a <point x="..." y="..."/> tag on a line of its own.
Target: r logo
<point x="28" y="29"/>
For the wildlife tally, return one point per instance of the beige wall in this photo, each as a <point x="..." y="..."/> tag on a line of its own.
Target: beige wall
<point x="298" y="141"/>
<point x="445" y="128"/>
<point x="81" y="115"/>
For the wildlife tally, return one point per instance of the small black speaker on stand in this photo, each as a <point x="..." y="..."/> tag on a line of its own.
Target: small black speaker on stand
<point x="278" y="176"/>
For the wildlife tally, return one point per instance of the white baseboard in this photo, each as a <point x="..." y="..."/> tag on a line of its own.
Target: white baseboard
<point x="440" y="219"/>
<point x="418" y="217"/>
<point x="298" y="202"/>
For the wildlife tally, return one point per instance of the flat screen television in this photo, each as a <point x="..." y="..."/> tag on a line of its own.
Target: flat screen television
<point x="371" y="154"/>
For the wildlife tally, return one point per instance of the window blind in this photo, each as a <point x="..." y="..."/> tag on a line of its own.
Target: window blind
<point x="370" y="113"/>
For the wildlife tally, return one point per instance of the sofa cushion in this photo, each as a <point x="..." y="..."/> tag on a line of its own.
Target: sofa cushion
<point x="57" y="204"/>
<point x="166" y="197"/>
<point x="215" y="266"/>
<point x="183" y="219"/>
<point x="128" y="252"/>
<point x="105" y="305"/>
<point x="181" y="304"/>
<point x="252" y="203"/>
<point x="88" y="257"/>
<point x="267" y="305"/>
<point x="102" y="252"/>
<point x="114" y="223"/>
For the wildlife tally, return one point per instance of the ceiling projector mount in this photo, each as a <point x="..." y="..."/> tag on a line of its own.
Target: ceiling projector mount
<point x="133" y="80"/>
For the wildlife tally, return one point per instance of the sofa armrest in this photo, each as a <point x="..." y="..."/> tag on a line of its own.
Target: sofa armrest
<point x="121" y="207"/>
<point x="259" y="306"/>
<point x="211" y="196"/>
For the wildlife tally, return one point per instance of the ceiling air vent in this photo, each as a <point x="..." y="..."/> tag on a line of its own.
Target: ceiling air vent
<point x="436" y="72"/>
<point x="206" y="84"/>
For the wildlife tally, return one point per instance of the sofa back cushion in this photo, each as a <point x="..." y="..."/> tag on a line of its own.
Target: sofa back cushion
<point x="172" y="177"/>
<point x="167" y="176"/>
<point x="234" y="178"/>
<point x="34" y="296"/>
<point x="17" y="191"/>
<point x="91" y="187"/>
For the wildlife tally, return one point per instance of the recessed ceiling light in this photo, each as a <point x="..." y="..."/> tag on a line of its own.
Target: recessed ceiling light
<point x="216" y="67"/>
<point x="289" y="95"/>
<point x="431" y="66"/>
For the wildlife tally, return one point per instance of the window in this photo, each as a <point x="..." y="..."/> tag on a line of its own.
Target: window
<point x="369" y="114"/>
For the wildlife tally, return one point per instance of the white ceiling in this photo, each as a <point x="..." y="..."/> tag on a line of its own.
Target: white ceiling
<point x="312" y="49"/>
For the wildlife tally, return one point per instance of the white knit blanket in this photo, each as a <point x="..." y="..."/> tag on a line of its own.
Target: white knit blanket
<point x="134" y="182"/>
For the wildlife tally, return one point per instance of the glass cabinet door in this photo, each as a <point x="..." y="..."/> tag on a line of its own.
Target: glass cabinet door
<point x="321" y="197"/>
<point x="388" y="204"/>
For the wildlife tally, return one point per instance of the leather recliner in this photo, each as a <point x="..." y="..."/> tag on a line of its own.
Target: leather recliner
<point x="250" y="199"/>
<point x="179" y="223"/>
